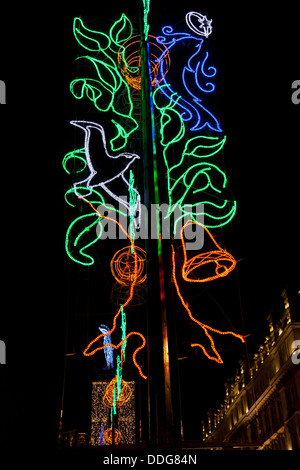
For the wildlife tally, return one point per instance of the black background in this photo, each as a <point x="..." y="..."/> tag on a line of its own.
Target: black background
<point x="256" y="49"/>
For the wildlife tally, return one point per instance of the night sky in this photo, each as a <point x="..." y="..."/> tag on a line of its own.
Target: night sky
<point x="255" y="49"/>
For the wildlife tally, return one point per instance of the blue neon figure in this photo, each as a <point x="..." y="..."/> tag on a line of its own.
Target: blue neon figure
<point x="109" y="351"/>
<point x="196" y="79"/>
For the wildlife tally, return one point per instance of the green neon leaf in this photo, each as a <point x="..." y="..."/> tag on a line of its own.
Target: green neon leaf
<point x="80" y="237"/>
<point x="121" y="30"/>
<point x="120" y="140"/>
<point x="90" y="40"/>
<point x="79" y="163"/>
<point x="203" y="146"/>
<point x="215" y="215"/>
<point x="171" y="124"/>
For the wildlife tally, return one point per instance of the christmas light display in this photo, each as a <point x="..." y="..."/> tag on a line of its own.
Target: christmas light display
<point x="198" y="23"/>
<point x="108" y="351"/>
<point x="216" y="357"/>
<point x="107" y="82"/>
<point x="95" y="178"/>
<point x="187" y="135"/>
<point x="192" y="181"/>
<point x="88" y="351"/>
<point x="194" y="178"/>
<point x="130" y="62"/>
<point x="111" y="435"/>
<point x="115" y="398"/>
<point x="217" y="262"/>
<point x="196" y="70"/>
<point x="125" y="266"/>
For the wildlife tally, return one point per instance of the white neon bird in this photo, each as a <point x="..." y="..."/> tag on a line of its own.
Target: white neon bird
<point x="102" y="172"/>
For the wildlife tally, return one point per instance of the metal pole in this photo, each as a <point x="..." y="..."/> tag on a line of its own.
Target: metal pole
<point x="162" y="401"/>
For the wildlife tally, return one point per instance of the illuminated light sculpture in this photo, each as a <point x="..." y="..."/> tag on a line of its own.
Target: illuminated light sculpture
<point x="111" y="435"/>
<point x="198" y="23"/>
<point x="195" y="75"/>
<point x="98" y="162"/>
<point x="78" y="161"/>
<point x="126" y="266"/>
<point x="130" y="61"/>
<point x="106" y="82"/>
<point x="215" y="264"/>
<point x="108" y="351"/>
<point x="88" y="351"/>
<point x="114" y="398"/>
<point x="191" y="175"/>
<point x="123" y="328"/>
<point x="206" y="328"/>
<point x="83" y="232"/>
<point x="75" y="236"/>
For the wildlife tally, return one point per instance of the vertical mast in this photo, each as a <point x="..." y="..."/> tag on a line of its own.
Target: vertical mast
<point x="160" y="403"/>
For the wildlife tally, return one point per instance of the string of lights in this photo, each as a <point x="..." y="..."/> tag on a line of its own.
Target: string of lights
<point x="192" y="181"/>
<point x="206" y="328"/>
<point x="219" y="262"/>
<point x="190" y="141"/>
<point x="131" y="60"/>
<point x="88" y="351"/>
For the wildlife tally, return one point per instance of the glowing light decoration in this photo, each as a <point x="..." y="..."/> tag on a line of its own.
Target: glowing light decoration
<point x="195" y="179"/>
<point x="108" y="351"/>
<point x="112" y="397"/>
<point x="132" y="203"/>
<point x="206" y="328"/>
<point x="130" y="61"/>
<point x="192" y="178"/>
<point x="97" y="163"/>
<point x="107" y="83"/>
<point x="215" y="264"/>
<point x="146" y="4"/>
<point x="126" y="266"/>
<point x="195" y="72"/>
<point x="123" y="328"/>
<point x="88" y="350"/>
<point x="199" y="23"/>
<point x="111" y="435"/>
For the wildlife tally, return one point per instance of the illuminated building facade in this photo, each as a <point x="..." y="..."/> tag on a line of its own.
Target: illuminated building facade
<point x="262" y="404"/>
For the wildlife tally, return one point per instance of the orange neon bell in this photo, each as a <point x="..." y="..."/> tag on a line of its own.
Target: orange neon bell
<point x="209" y="265"/>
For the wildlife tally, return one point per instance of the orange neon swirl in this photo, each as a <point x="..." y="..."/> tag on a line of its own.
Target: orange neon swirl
<point x="110" y="400"/>
<point x="86" y="352"/>
<point x="125" y="266"/>
<point x="220" y="261"/>
<point x="129" y="60"/>
<point x="108" y="436"/>
<point x="216" y="357"/>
